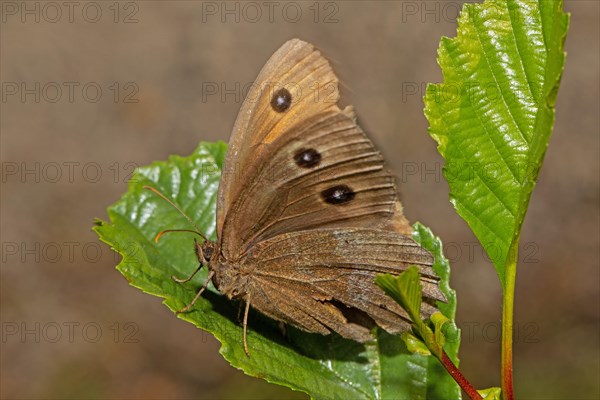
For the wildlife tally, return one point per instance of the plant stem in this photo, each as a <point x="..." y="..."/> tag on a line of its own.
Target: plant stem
<point x="459" y="377"/>
<point x="508" y="299"/>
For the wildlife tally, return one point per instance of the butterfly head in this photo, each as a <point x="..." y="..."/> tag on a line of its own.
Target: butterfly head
<point x="205" y="251"/>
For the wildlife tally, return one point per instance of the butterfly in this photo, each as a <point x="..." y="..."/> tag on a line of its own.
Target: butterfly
<point x="307" y="214"/>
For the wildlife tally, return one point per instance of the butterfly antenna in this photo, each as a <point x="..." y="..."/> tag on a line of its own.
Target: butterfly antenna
<point x="162" y="196"/>
<point x="177" y="230"/>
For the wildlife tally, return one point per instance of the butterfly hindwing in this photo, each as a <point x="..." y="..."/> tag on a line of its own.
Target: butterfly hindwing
<point x="311" y="278"/>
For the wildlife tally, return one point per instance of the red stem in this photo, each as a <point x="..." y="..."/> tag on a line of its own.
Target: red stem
<point x="507" y="377"/>
<point x="460" y="378"/>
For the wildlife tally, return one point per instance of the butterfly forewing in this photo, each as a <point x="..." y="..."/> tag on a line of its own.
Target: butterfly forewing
<point x="325" y="172"/>
<point x="301" y="71"/>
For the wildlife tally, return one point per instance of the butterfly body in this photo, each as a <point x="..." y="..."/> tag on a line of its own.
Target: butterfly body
<point x="307" y="214"/>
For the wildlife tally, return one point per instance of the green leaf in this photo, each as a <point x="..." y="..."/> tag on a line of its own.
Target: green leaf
<point x="439" y="320"/>
<point x="326" y="367"/>
<point x="492" y="393"/>
<point x="405" y="289"/>
<point x="414" y="344"/>
<point x="493" y="115"/>
<point x="441" y="266"/>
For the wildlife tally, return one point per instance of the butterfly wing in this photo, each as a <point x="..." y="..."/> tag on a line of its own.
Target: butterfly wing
<point x="308" y="78"/>
<point x="307" y="214"/>
<point x="325" y="172"/>
<point x="309" y="279"/>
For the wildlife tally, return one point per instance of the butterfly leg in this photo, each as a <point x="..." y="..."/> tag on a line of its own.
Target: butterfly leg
<point x="200" y="258"/>
<point x="283" y="328"/>
<point x="239" y="314"/>
<point x="246" y="324"/>
<point x="189" y="278"/>
<point x="204" y="286"/>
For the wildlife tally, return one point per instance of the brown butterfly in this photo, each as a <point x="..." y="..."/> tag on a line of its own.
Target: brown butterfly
<point x="307" y="214"/>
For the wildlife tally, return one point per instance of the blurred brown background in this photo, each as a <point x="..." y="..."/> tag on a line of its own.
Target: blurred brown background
<point x="71" y="325"/>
